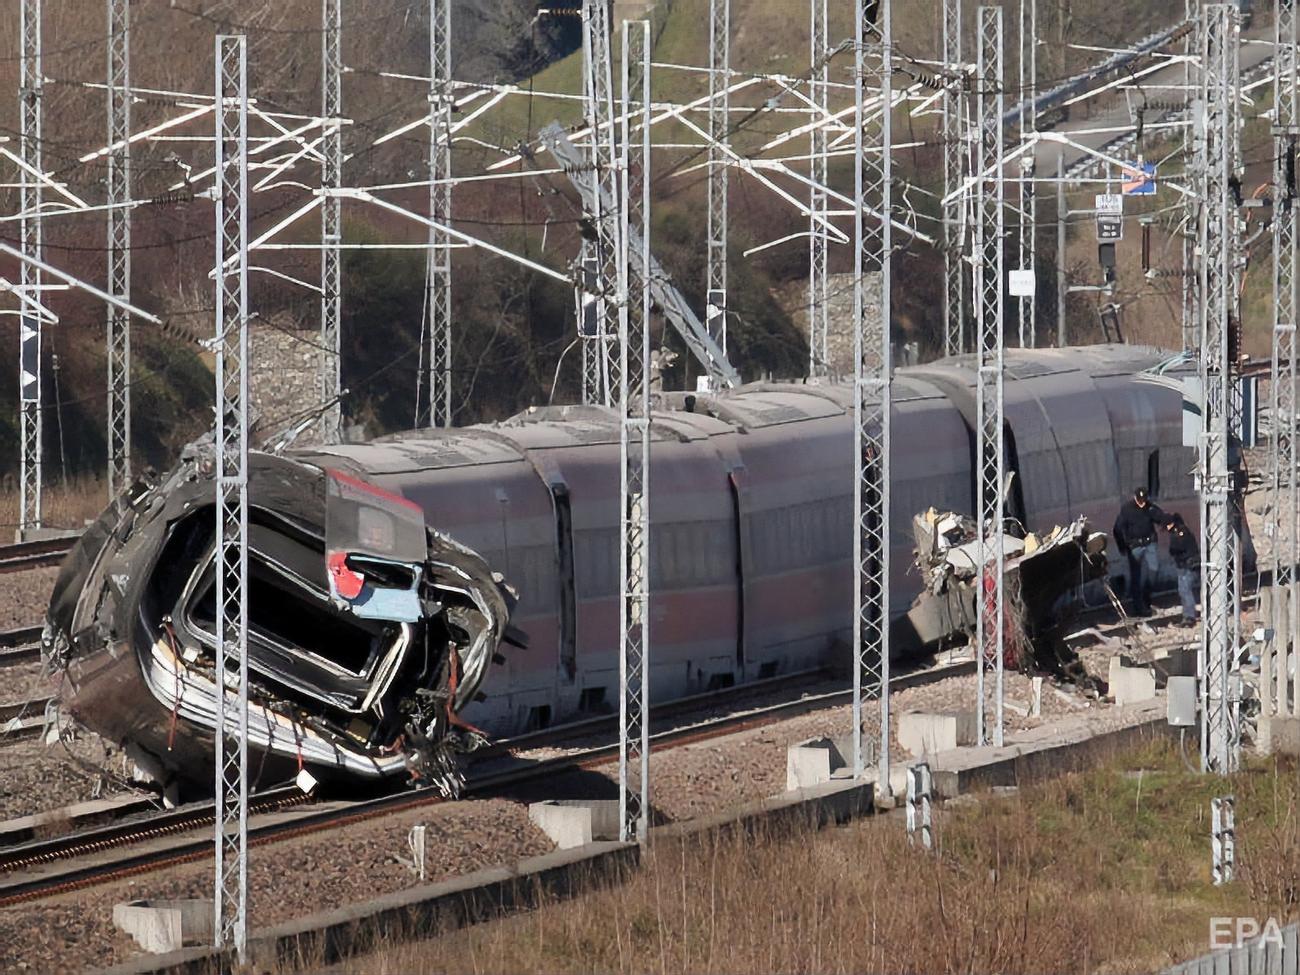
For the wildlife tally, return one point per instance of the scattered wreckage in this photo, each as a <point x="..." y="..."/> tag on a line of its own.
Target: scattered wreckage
<point x="368" y="633"/>
<point x="1044" y="577"/>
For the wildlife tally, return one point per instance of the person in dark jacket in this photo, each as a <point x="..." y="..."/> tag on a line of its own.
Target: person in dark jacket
<point x="1135" y="536"/>
<point x="1186" y="553"/>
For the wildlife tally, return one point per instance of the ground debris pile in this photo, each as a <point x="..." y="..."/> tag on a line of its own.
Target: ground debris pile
<point x="1044" y="576"/>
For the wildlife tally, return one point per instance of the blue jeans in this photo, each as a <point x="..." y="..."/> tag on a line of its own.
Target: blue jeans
<point x="1187" y="592"/>
<point x="1143" y="561"/>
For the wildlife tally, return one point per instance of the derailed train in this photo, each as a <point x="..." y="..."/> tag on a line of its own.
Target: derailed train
<point x="384" y="575"/>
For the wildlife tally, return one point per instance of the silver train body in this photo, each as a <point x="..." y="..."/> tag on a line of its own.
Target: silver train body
<point x="752" y="535"/>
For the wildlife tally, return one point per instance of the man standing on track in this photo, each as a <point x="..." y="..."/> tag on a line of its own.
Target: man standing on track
<point x="1135" y="536"/>
<point x="1186" y="553"/>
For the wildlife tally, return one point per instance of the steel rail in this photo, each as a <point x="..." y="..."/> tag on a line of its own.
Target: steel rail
<point x="34" y="555"/>
<point x="486" y="782"/>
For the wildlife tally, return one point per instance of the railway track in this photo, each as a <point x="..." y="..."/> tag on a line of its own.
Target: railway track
<point x="42" y="868"/>
<point x="22" y="720"/>
<point x="34" y="555"/>
<point x="46" y="867"/>
<point x="20" y="646"/>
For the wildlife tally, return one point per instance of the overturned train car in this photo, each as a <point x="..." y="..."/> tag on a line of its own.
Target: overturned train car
<point x="379" y="597"/>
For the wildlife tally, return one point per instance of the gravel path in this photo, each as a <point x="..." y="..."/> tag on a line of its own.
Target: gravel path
<point x="37" y="777"/>
<point x="309" y="873"/>
<point x="22" y="682"/>
<point x="711" y="776"/>
<point x="24" y="597"/>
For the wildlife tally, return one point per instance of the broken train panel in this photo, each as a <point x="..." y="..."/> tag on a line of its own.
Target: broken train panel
<point x="368" y="633"/>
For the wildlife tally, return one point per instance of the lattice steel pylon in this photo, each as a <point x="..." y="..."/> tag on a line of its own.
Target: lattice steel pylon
<point x="1026" y="213"/>
<point x="30" y="84"/>
<point x="331" y="219"/>
<point x="990" y="484"/>
<point x="719" y="124"/>
<point x="1283" y="528"/>
<point x="231" y="448"/>
<point x="634" y="436"/>
<point x="872" y="375"/>
<point x="438" y="299"/>
<point x="1217" y="232"/>
<point x="1191" y="330"/>
<point x="818" y="270"/>
<point x="955" y="168"/>
<point x="119" y="245"/>
<point x="600" y="381"/>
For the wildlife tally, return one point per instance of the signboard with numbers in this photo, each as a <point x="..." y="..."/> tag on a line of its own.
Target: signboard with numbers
<point x="1109" y="228"/>
<point x="1110" y="216"/>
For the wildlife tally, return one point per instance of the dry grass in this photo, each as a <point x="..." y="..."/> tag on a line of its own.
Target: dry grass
<point x="1104" y="871"/>
<point x="61" y="506"/>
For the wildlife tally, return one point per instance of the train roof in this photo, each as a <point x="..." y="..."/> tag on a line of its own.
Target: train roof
<point x="689" y="416"/>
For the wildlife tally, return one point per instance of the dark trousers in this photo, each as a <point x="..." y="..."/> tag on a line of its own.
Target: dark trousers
<point x="1188" y="591"/>
<point x="1142" y="564"/>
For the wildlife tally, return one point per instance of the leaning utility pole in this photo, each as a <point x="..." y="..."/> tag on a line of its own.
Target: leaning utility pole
<point x="438" y="298"/>
<point x="119" y="245"/>
<point x="598" y="318"/>
<point x="991" y="479"/>
<point x="1220" y="729"/>
<point x="955" y="167"/>
<point x="30" y="199"/>
<point x="719" y="124"/>
<point x="634" y="437"/>
<point x="872" y="375"/>
<point x="1283" y="527"/>
<point x="231" y="445"/>
<point x="331" y="179"/>
<point x="818" y="164"/>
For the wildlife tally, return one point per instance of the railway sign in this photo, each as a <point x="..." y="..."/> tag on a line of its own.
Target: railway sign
<point x="1110" y="204"/>
<point x="1140" y="179"/>
<point x="1021" y="283"/>
<point x="1109" y="228"/>
<point x="1109" y="208"/>
<point x="29" y="355"/>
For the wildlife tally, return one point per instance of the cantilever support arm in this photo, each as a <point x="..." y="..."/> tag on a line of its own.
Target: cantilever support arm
<point x="80" y="285"/>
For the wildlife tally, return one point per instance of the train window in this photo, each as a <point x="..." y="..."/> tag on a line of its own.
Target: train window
<point x="1153" y="474"/>
<point x="592" y="699"/>
<point x="568" y="603"/>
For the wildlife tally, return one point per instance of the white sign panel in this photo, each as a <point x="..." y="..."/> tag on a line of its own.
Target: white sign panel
<point x="1021" y="284"/>
<point x="1111" y="204"/>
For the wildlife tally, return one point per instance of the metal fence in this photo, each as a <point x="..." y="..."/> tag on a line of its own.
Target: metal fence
<point x="1274" y="952"/>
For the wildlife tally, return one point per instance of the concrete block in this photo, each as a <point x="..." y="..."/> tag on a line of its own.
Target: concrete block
<point x="572" y="823"/>
<point x="817" y="760"/>
<point x="925" y="733"/>
<point x="1279" y="736"/>
<point x="1130" y="685"/>
<point x="163" y="926"/>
